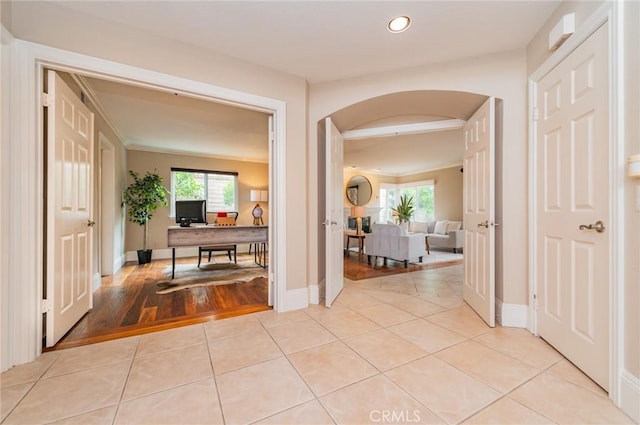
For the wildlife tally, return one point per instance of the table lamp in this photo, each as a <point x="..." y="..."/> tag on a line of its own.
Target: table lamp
<point x="358" y="213"/>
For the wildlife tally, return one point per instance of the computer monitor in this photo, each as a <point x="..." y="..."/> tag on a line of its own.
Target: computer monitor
<point x="194" y="211"/>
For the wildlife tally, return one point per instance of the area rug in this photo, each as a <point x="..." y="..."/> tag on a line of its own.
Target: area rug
<point x="356" y="266"/>
<point x="190" y="276"/>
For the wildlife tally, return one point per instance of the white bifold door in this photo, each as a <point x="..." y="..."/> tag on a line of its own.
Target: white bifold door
<point x="573" y="184"/>
<point x="334" y="228"/>
<point x="69" y="259"/>
<point x="478" y="289"/>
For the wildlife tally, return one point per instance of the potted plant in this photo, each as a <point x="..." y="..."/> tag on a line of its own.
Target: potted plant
<point x="142" y="198"/>
<point x="404" y="210"/>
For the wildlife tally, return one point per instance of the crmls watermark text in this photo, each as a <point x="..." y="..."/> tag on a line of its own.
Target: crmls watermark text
<point x="394" y="416"/>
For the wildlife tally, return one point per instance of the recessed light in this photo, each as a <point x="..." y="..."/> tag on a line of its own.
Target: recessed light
<point x="398" y="24"/>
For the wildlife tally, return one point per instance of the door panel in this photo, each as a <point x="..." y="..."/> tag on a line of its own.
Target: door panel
<point x="478" y="289"/>
<point x="69" y="208"/>
<point x="334" y="228"/>
<point x="572" y="168"/>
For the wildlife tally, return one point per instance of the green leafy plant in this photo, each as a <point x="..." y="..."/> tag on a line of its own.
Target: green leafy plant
<point x="143" y="197"/>
<point x="404" y="210"/>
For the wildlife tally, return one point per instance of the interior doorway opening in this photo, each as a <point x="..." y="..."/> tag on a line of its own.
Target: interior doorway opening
<point x="68" y="62"/>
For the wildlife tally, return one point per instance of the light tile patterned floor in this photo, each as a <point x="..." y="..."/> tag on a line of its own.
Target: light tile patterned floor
<point x="402" y="349"/>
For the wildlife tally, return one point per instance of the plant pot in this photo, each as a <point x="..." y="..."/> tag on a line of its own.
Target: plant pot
<point x="144" y="256"/>
<point x="404" y="227"/>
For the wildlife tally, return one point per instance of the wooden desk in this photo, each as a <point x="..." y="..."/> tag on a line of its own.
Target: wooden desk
<point x="217" y="235"/>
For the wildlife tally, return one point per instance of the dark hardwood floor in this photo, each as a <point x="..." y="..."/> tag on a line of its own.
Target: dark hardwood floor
<point x="127" y="304"/>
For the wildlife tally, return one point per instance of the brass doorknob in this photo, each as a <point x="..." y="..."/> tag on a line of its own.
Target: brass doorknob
<point x="598" y="226"/>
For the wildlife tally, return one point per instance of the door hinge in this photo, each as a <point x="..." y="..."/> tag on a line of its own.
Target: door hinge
<point x="536" y="115"/>
<point x="272" y="137"/>
<point x="46" y="306"/>
<point x="46" y="100"/>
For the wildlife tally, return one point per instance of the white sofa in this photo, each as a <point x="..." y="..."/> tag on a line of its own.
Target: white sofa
<point x="387" y="241"/>
<point x="442" y="233"/>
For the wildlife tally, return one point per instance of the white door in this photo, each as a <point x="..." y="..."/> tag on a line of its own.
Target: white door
<point x="573" y="189"/>
<point x="479" y="212"/>
<point x="334" y="228"/>
<point x="69" y="208"/>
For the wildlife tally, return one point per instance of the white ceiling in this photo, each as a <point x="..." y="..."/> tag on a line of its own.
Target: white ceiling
<point x="167" y="122"/>
<point x="317" y="40"/>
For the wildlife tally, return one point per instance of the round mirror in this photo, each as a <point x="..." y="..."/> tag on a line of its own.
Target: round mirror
<point x="358" y="191"/>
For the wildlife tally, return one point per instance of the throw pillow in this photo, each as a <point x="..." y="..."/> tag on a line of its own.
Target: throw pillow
<point x="441" y="227"/>
<point x="418" y="227"/>
<point x="454" y="225"/>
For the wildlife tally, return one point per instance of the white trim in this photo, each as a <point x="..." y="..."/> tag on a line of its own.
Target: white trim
<point x="512" y="315"/>
<point x="296" y="299"/>
<point x="96" y="282"/>
<point x="104" y="144"/>
<point x="191" y="153"/>
<point x="629" y="395"/>
<point x="614" y="15"/>
<point x="95" y="101"/>
<point x="402" y="129"/>
<point x="164" y="254"/>
<point x="118" y="263"/>
<point x="7" y="219"/>
<point x="314" y="294"/>
<point x="26" y="173"/>
<point x="617" y="176"/>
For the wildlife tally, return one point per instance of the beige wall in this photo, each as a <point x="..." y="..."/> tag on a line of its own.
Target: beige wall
<point x="501" y="75"/>
<point x="536" y="54"/>
<point x="251" y="175"/>
<point x="448" y="191"/>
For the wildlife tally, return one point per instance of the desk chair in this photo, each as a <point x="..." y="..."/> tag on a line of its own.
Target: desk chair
<point x="227" y="248"/>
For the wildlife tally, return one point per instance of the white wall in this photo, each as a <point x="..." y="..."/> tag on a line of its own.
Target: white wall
<point x="500" y="75"/>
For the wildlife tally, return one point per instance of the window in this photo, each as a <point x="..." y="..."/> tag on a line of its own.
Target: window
<point x="423" y="197"/>
<point x="219" y="188"/>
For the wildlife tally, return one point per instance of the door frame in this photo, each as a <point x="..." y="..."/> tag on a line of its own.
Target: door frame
<point x="30" y="60"/>
<point x="612" y="13"/>
<point x="106" y="216"/>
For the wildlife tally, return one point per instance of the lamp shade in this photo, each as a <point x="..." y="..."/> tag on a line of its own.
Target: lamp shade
<point x="259" y="195"/>
<point x="358" y="212"/>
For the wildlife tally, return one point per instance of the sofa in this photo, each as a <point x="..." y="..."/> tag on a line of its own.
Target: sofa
<point x="442" y="233"/>
<point x="387" y="241"/>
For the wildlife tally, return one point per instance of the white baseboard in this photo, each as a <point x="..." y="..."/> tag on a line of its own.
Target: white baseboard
<point x="295" y="299"/>
<point x="630" y="395"/>
<point x="119" y="262"/>
<point x="314" y="294"/>
<point x="96" y="282"/>
<point x="512" y="315"/>
<point x="165" y="253"/>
